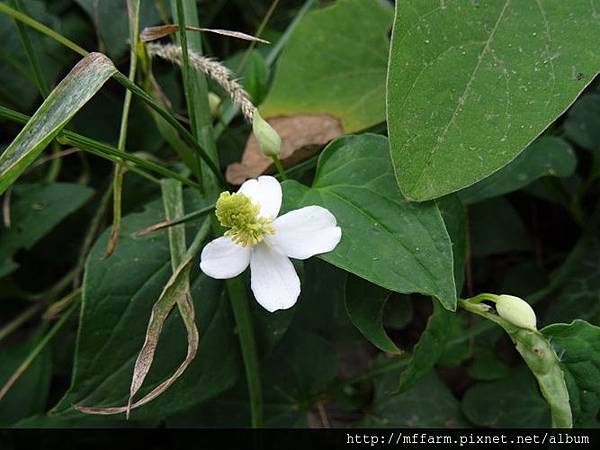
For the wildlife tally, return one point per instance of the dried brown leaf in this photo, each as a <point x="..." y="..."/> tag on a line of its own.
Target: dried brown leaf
<point x="153" y="33"/>
<point x="302" y="136"/>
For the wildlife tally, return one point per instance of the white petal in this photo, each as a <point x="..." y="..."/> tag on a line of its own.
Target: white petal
<point x="273" y="279"/>
<point x="223" y="258"/>
<point x="305" y="232"/>
<point x="266" y="191"/>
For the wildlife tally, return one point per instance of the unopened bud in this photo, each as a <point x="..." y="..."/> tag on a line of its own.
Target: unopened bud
<point x="516" y="311"/>
<point x="268" y="139"/>
<point x="214" y="102"/>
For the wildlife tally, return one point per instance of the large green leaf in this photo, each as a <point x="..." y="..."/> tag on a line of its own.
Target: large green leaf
<point x="118" y="294"/>
<point x="471" y="84"/>
<point x="329" y="67"/>
<point x="548" y="155"/>
<point x="84" y="80"/>
<point x="393" y="243"/>
<point x="35" y="210"/>
<point x="578" y="346"/>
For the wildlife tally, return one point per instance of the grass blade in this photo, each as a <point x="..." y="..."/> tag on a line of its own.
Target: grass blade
<point x="135" y="89"/>
<point x="79" y="86"/>
<point x="197" y="95"/>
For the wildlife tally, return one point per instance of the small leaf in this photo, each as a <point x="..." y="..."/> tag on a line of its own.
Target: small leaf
<point x="365" y="303"/>
<point x="326" y="67"/>
<point x="84" y="80"/>
<point x="401" y="246"/>
<point x="498" y="73"/>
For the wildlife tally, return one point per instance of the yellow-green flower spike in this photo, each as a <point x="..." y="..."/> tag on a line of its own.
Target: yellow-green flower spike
<point x="240" y="215"/>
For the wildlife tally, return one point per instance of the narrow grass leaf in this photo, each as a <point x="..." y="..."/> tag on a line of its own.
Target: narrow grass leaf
<point x="84" y="80"/>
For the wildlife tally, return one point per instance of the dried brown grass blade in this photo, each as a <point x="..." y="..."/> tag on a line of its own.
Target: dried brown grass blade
<point x="176" y="291"/>
<point x="153" y="33"/>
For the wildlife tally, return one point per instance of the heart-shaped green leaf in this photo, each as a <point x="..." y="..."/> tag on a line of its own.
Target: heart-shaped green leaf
<point x="401" y="246"/>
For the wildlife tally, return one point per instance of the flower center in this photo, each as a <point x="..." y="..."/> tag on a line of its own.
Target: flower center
<point x="240" y="215"/>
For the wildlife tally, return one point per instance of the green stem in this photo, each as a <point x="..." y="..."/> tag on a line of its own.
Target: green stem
<point x="188" y="85"/>
<point x="186" y="72"/>
<point x="279" y="167"/>
<point x="197" y="94"/>
<point x="238" y="297"/>
<point x="541" y="359"/>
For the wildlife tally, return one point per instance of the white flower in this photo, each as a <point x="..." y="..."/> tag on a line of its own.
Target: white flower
<point x="257" y="237"/>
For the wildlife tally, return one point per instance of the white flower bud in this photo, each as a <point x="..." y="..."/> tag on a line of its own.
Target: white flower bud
<point x="516" y="311"/>
<point x="214" y="102"/>
<point x="268" y="139"/>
